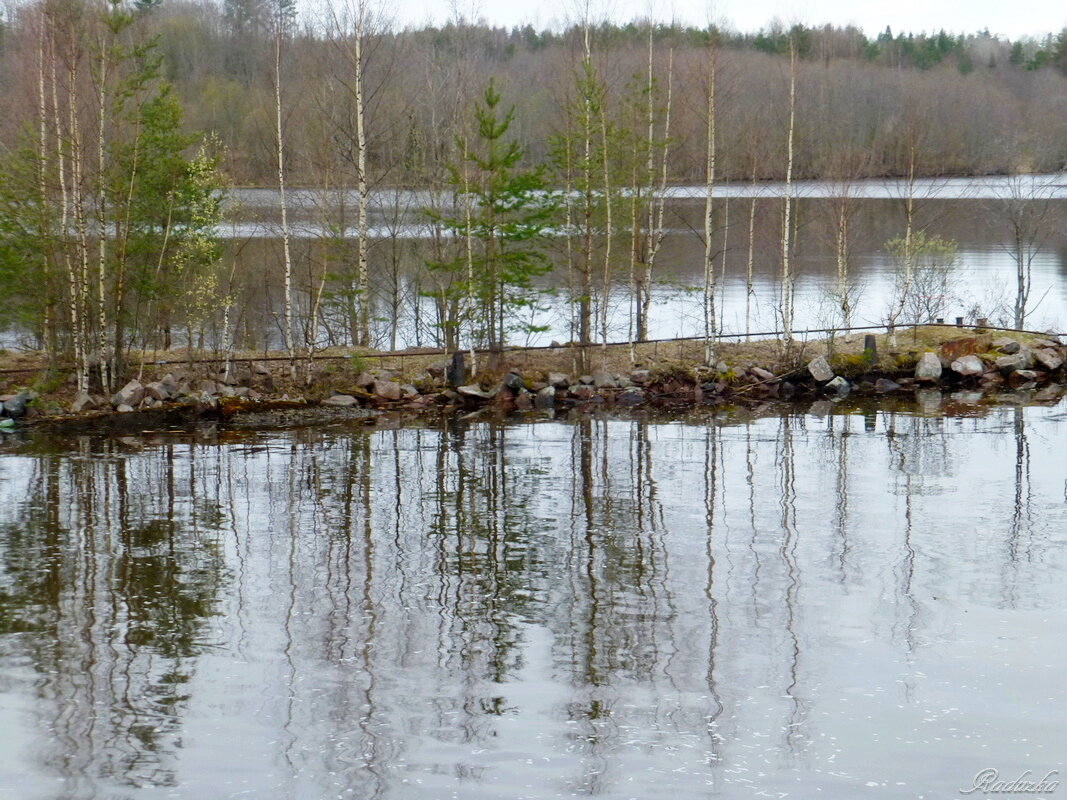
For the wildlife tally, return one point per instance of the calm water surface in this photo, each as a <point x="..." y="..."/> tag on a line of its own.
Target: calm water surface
<point x="789" y="605"/>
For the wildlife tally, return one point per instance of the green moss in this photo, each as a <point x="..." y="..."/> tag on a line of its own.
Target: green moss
<point x="849" y="365"/>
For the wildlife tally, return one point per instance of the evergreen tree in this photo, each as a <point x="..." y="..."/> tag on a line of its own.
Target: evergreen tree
<point x="504" y="211"/>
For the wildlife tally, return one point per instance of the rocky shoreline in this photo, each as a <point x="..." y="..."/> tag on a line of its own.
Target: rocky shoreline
<point x="971" y="370"/>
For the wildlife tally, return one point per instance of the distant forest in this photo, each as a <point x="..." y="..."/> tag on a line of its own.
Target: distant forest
<point x="938" y="104"/>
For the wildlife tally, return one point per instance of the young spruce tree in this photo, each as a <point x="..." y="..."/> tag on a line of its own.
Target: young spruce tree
<point x="502" y="213"/>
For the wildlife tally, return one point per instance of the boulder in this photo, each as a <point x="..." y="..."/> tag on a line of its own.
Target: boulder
<point x="838" y="385"/>
<point x="1011" y="363"/>
<point x="512" y="381"/>
<point x="545" y="398"/>
<point x="130" y="395"/>
<point x="558" y="380"/>
<point x="968" y="366"/>
<point x="603" y="380"/>
<point x="582" y="391"/>
<point x="387" y="390"/>
<point x="1008" y="347"/>
<point x="83" y="401"/>
<point x="929" y="367"/>
<point x="158" y="390"/>
<point x="640" y="376"/>
<point x="124" y="408"/>
<point x="259" y="368"/>
<point x="16" y="407"/>
<point x="207" y="387"/>
<point x="586" y="379"/>
<point x="408" y="391"/>
<point x="766" y="376"/>
<point x="523" y="400"/>
<point x="341" y="400"/>
<point x="365" y="380"/>
<point x="1048" y="358"/>
<point x="474" y="390"/>
<point x="820" y="370"/>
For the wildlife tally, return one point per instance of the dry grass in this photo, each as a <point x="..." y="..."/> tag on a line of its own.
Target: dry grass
<point x="336" y="368"/>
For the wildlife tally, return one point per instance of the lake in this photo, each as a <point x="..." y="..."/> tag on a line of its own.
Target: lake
<point x="783" y="603"/>
<point x="971" y="212"/>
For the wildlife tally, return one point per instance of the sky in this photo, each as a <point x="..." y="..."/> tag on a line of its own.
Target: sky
<point x="1008" y="18"/>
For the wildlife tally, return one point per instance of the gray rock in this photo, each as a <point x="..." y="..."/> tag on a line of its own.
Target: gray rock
<point x="820" y="369"/>
<point x="130" y="395"/>
<point x="408" y="390"/>
<point x="512" y="381"/>
<point x="260" y="368"/>
<point x="387" y="390"/>
<point x="207" y="387"/>
<point x="523" y="400"/>
<point x="582" y="391"/>
<point x="545" y="398"/>
<point x="83" y="401"/>
<point x="341" y="400"/>
<point x="124" y="408"/>
<point x="968" y="366"/>
<point x="365" y="380"/>
<point x="559" y="380"/>
<point x="722" y="368"/>
<point x="15" y="407"/>
<point x="586" y="379"/>
<point x="158" y="390"/>
<point x="474" y="390"/>
<point x="1025" y="375"/>
<point x="884" y="386"/>
<point x="1048" y="358"/>
<point x="838" y="385"/>
<point x="603" y="380"/>
<point x="928" y="368"/>
<point x="169" y="381"/>
<point x="242" y="391"/>
<point x="227" y="391"/>
<point x="640" y="376"/>
<point x="1008" y="347"/>
<point x="764" y="375"/>
<point x="1011" y="363"/>
<point x="630" y="397"/>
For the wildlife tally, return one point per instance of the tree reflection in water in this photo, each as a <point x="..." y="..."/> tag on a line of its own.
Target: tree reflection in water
<point x="595" y="607"/>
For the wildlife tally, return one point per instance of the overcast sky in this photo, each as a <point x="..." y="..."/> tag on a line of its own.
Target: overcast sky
<point x="1011" y="18"/>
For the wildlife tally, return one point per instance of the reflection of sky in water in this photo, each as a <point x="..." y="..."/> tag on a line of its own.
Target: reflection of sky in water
<point x="800" y="605"/>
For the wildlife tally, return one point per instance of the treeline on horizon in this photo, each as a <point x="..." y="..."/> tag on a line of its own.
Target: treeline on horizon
<point x="971" y="104"/>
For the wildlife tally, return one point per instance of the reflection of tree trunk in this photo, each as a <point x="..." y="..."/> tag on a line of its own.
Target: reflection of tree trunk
<point x="711" y="482"/>
<point x="788" y="553"/>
